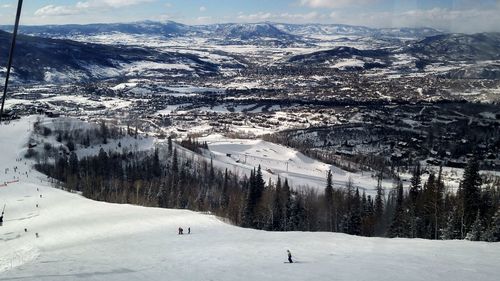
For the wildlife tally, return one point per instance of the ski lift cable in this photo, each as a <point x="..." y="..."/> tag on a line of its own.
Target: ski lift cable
<point x="11" y="55"/>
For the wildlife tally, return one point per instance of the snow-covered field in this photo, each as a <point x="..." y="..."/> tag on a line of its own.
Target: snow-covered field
<point x="80" y="239"/>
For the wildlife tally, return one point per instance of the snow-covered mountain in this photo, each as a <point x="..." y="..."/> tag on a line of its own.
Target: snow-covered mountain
<point x="458" y="47"/>
<point x="245" y="31"/>
<point x="56" y="60"/>
<point x="472" y="56"/>
<point x="166" y="29"/>
<point x="50" y="234"/>
<point x="346" y="58"/>
<point x="264" y="34"/>
<point x="407" y="32"/>
<point x="156" y="48"/>
<point x="242" y="31"/>
<point x="324" y="29"/>
<point x="316" y="30"/>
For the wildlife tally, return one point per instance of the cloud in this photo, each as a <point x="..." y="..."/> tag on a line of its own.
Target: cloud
<point x="203" y="9"/>
<point x="109" y="3"/>
<point x="6" y="6"/>
<point x="204" y="20"/>
<point x="86" y="6"/>
<point x="333" y="3"/>
<point x="52" y="10"/>
<point x="467" y="21"/>
<point x="283" y="17"/>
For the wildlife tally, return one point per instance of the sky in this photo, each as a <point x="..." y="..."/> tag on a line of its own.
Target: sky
<point x="452" y="15"/>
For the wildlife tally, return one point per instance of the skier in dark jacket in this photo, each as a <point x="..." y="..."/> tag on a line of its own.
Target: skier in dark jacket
<point x="1" y="216"/>
<point x="289" y="256"/>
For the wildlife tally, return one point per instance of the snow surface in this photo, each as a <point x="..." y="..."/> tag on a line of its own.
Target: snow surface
<point x="81" y="239"/>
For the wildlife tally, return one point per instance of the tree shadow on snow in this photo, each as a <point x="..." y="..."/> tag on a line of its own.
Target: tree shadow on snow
<point x="85" y="275"/>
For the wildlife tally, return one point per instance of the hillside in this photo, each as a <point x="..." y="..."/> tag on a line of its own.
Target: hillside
<point x="80" y="239"/>
<point x="56" y="60"/>
<point x="167" y="29"/>
<point x="346" y="58"/>
<point x="458" y="47"/>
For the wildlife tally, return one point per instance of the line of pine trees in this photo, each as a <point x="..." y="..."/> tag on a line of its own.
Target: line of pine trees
<point x="169" y="180"/>
<point x="429" y="211"/>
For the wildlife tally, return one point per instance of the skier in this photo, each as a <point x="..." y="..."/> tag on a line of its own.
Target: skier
<point x="189" y="230"/>
<point x="1" y="216"/>
<point x="289" y="256"/>
<point x="180" y="230"/>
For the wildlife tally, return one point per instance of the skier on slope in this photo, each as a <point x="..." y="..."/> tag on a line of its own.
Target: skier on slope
<point x="289" y="256"/>
<point x="1" y="216"/>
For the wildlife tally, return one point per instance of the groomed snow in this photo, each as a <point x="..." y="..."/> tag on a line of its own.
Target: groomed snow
<point x="80" y="239"/>
<point x="243" y="155"/>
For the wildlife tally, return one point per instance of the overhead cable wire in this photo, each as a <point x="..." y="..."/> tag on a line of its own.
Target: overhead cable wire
<point x="11" y="55"/>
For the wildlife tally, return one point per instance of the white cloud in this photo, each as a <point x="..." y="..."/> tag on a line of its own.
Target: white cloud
<point x="333" y="3"/>
<point x="467" y="21"/>
<point x="52" y="10"/>
<point x="203" y="9"/>
<point x="204" y="20"/>
<point x="86" y="6"/>
<point x="109" y="3"/>
<point x="283" y="17"/>
<point x="6" y="6"/>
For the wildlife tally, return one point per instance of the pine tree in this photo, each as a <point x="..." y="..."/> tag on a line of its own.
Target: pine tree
<point x="379" y="208"/>
<point x="453" y="226"/>
<point x="430" y="211"/>
<point x="278" y="207"/>
<point x="493" y="233"/>
<point x="399" y="223"/>
<point x="287" y="195"/>
<point x="175" y="164"/>
<point x="416" y="184"/>
<point x="224" y="202"/>
<point x="256" y="188"/>
<point x="156" y="164"/>
<point x="414" y="196"/>
<point x="471" y="185"/>
<point x="355" y="215"/>
<point x="329" y="201"/>
<point x="476" y="229"/>
<point x="297" y="218"/>
<point x="169" y="145"/>
<point x="73" y="163"/>
<point x="104" y="132"/>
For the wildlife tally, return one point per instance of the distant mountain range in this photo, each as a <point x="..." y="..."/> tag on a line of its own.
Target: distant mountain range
<point x="445" y="49"/>
<point x="167" y="29"/>
<point x="458" y="47"/>
<point x="242" y="31"/>
<point x="42" y="58"/>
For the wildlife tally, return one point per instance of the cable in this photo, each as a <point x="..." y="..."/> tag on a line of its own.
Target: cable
<point x="11" y="55"/>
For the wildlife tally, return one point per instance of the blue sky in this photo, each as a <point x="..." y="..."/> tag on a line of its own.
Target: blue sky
<point x="454" y="15"/>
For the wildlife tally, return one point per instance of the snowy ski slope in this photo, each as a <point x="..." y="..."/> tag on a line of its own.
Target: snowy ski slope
<point x="277" y="160"/>
<point x="80" y="239"/>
